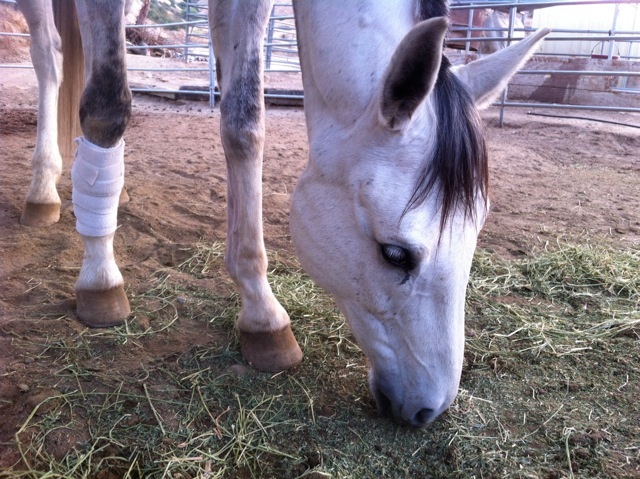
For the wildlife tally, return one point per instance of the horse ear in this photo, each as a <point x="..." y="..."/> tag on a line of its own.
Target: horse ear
<point x="487" y="77"/>
<point x="412" y="72"/>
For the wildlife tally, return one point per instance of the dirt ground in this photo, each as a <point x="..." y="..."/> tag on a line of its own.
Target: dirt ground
<point x="550" y="178"/>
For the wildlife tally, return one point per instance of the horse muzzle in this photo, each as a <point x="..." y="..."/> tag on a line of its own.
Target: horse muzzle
<point x="416" y="415"/>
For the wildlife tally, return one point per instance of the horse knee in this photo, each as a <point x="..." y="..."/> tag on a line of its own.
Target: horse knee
<point x="46" y="56"/>
<point x="242" y="117"/>
<point x="243" y="134"/>
<point x="105" y="107"/>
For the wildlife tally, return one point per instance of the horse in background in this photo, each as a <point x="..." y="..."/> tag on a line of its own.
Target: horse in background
<point x="500" y="20"/>
<point x="385" y="216"/>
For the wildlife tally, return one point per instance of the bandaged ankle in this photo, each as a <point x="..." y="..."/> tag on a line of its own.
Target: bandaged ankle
<point x="98" y="177"/>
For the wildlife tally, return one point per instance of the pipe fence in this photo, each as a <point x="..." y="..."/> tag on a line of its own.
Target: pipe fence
<point x="281" y="54"/>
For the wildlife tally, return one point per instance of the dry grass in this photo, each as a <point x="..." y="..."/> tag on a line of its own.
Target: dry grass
<point x="13" y="49"/>
<point x="549" y="386"/>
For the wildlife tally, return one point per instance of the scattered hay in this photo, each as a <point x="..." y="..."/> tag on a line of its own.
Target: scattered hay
<point x="585" y="271"/>
<point x="560" y="301"/>
<point x="549" y="386"/>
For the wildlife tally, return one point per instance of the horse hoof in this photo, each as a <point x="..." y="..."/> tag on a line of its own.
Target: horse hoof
<point x="102" y="309"/>
<point x="40" y="214"/>
<point x="124" y="197"/>
<point x="271" y="351"/>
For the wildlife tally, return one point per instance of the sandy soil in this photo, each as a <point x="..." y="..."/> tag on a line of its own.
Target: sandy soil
<point x="550" y="178"/>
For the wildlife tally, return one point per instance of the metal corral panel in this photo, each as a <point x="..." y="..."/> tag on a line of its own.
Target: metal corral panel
<point x="527" y="4"/>
<point x="597" y="18"/>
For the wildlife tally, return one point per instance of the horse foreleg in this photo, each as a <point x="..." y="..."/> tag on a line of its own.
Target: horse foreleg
<point x="98" y="169"/>
<point x="42" y="206"/>
<point x="264" y="326"/>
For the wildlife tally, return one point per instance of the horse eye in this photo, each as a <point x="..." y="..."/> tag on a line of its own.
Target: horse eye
<point x="397" y="256"/>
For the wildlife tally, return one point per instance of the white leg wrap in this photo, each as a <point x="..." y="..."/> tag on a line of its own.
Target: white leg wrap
<point x="98" y="177"/>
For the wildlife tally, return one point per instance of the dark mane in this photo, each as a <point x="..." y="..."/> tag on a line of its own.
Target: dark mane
<point x="459" y="166"/>
<point x="433" y="8"/>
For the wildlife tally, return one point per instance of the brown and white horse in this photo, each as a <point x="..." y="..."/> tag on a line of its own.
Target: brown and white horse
<point x="385" y="216"/>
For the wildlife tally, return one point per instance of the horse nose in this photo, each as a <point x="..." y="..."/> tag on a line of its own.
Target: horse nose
<point x="387" y="408"/>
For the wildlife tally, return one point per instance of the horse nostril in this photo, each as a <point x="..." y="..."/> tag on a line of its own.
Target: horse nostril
<point x="423" y="417"/>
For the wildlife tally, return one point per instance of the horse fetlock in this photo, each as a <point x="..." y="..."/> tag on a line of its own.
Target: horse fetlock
<point x="99" y="270"/>
<point x="43" y="189"/>
<point x="100" y="297"/>
<point x="271" y="350"/>
<point x="266" y="339"/>
<point x="102" y="308"/>
<point x="47" y="169"/>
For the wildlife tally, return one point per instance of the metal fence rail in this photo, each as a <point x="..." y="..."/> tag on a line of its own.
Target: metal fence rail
<point x="611" y="36"/>
<point x="281" y="53"/>
<point x="281" y="48"/>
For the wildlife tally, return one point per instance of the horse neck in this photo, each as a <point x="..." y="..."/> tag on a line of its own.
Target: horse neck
<point x="345" y="48"/>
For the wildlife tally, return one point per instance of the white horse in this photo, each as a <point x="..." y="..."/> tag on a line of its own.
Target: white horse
<point x="498" y="19"/>
<point x="385" y="216"/>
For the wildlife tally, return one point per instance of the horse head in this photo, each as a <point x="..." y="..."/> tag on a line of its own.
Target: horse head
<point x="387" y="213"/>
